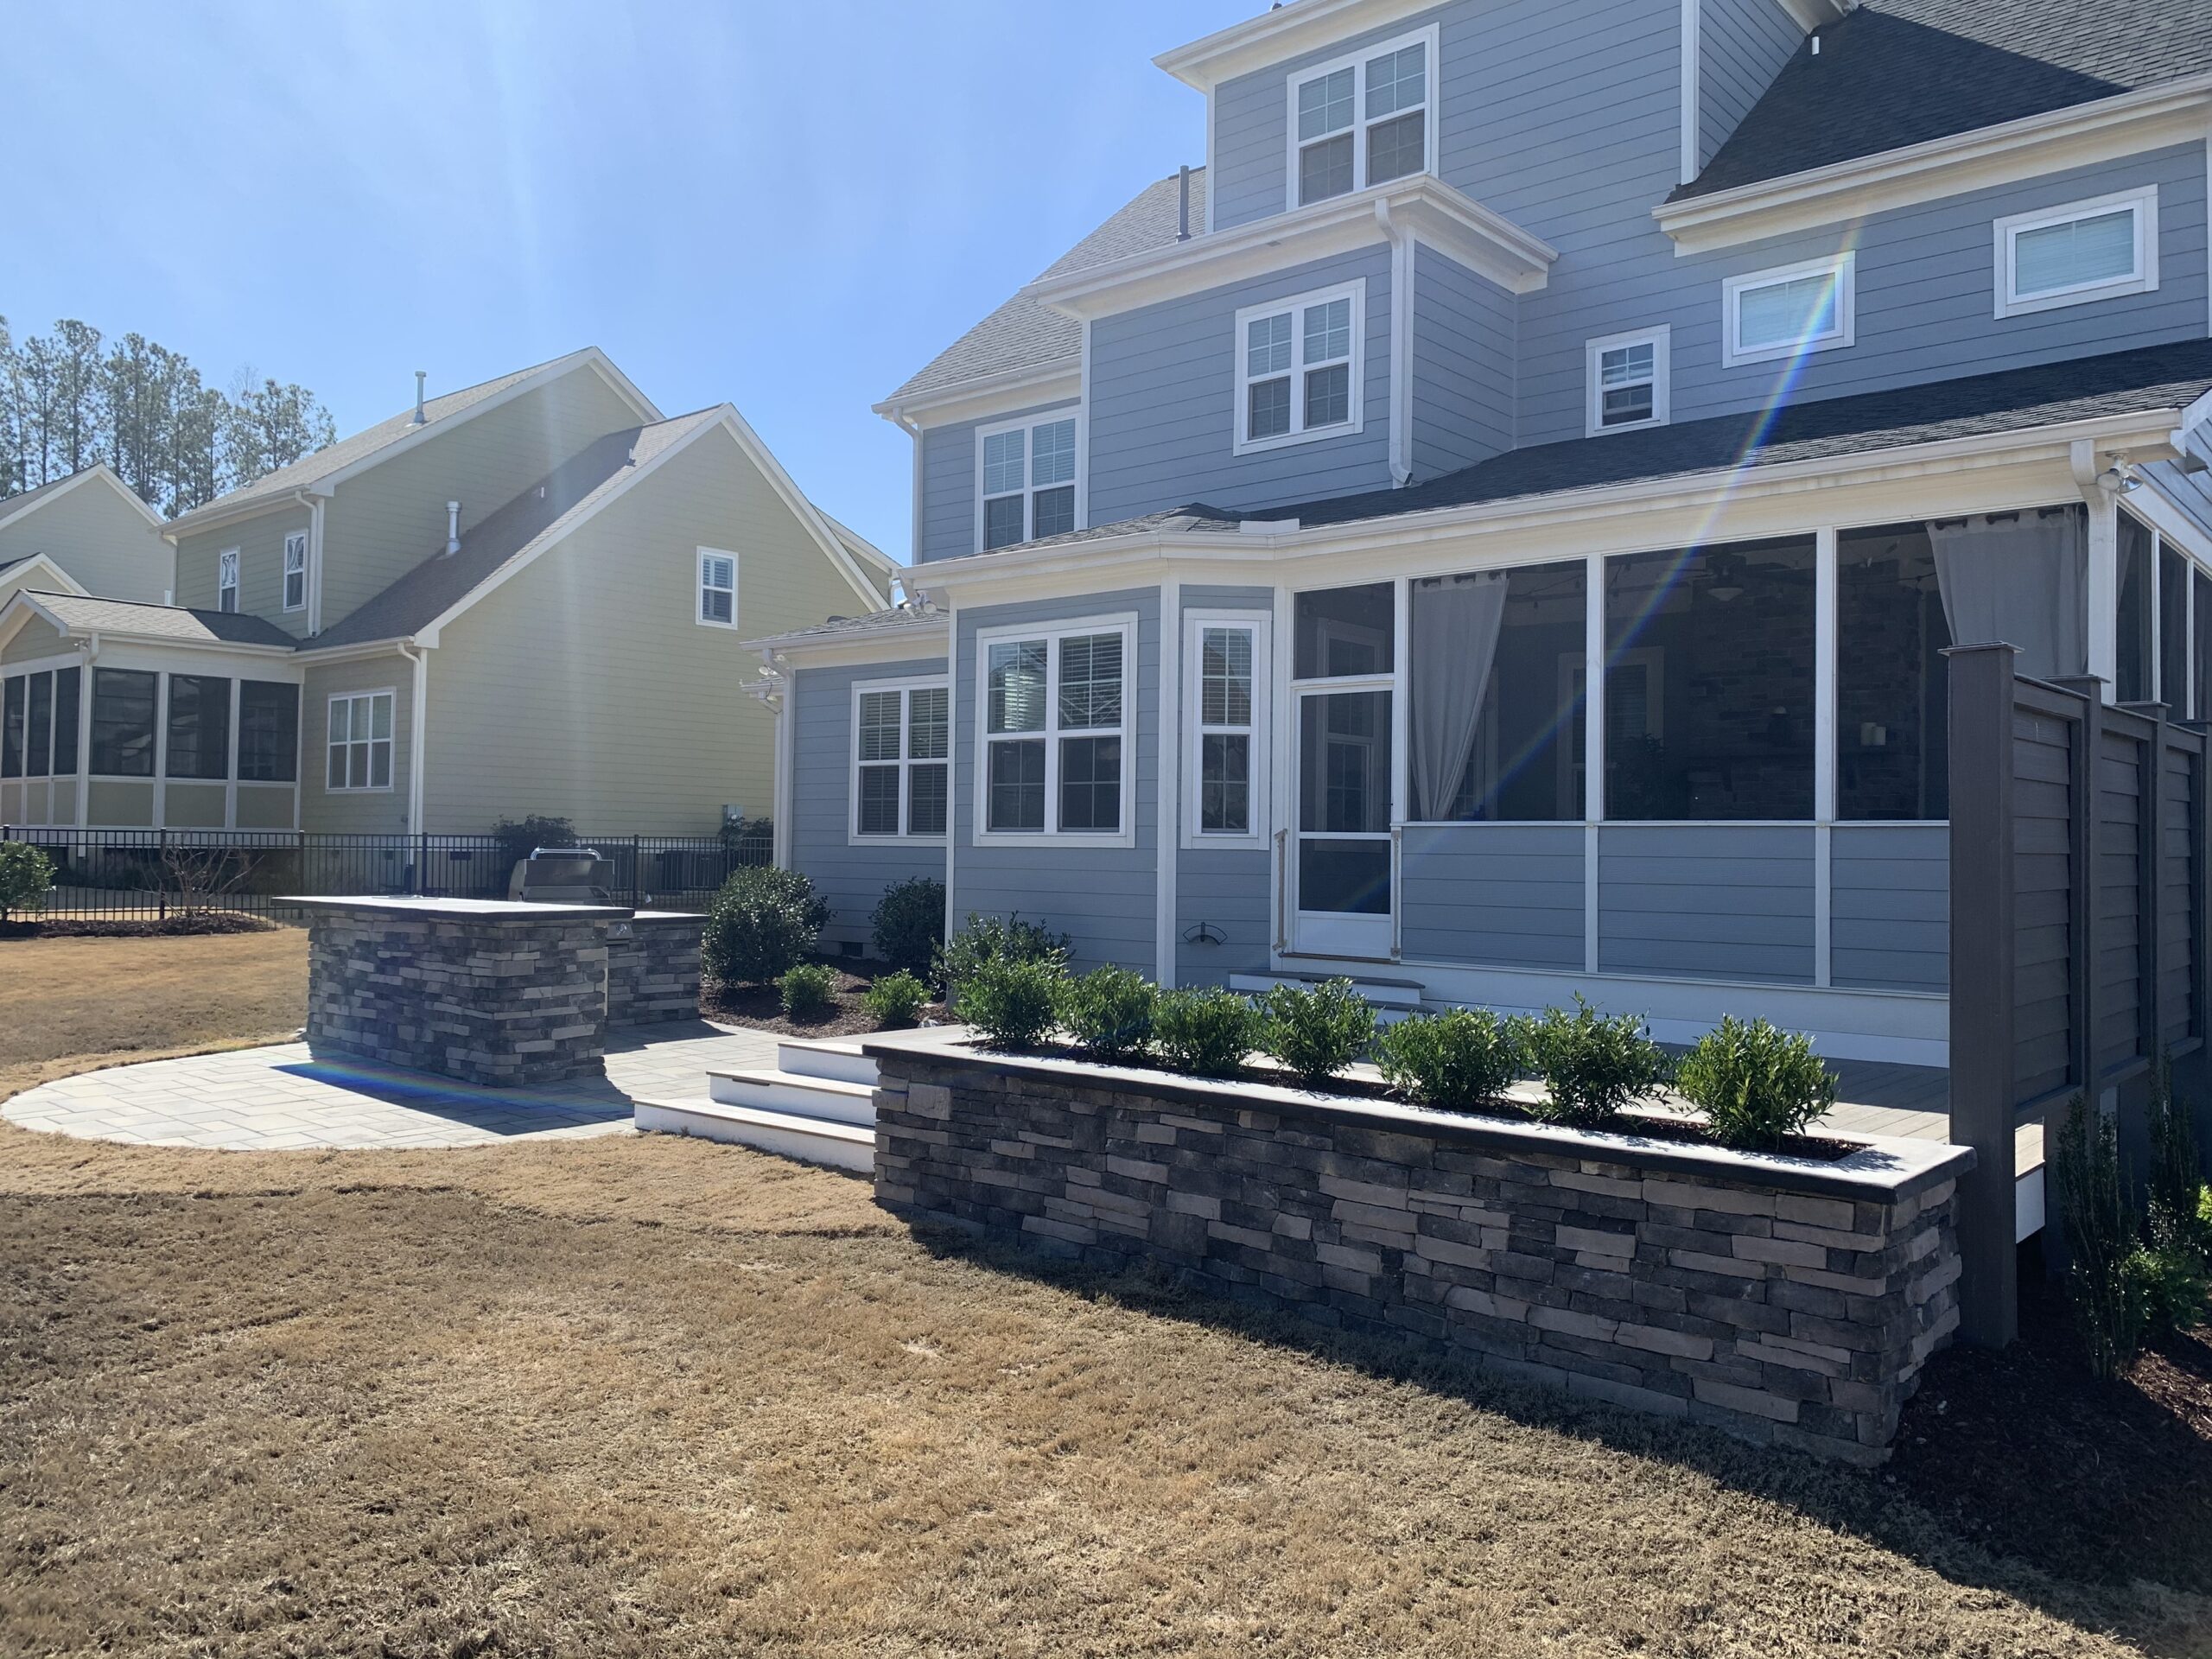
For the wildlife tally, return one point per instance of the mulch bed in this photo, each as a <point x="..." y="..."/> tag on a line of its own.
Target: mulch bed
<point x="761" y="1006"/>
<point x="2033" y="1456"/>
<point x="148" y="928"/>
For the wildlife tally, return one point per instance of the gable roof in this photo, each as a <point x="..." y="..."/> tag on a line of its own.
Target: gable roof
<point x="2014" y="400"/>
<point x="82" y="614"/>
<point x="359" y="450"/>
<point x="1894" y="73"/>
<point x="21" y="568"/>
<point x="22" y="505"/>
<point x="1025" y="333"/>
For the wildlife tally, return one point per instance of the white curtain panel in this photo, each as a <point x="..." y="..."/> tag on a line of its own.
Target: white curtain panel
<point x="2020" y="578"/>
<point x="1455" y="627"/>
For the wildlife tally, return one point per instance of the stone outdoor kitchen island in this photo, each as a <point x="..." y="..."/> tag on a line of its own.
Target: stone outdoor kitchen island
<point x="1787" y="1300"/>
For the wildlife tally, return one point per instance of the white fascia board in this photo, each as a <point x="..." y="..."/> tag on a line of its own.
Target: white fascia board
<point x="359" y="651"/>
<point x="860" y="547"/>
<point x="2142" y="436"/>
<point x="1059" y="380"/>
<point x="1447" y="219"/>
<point x="99" y="471"/>
<point x="16" y="570"/>
<point x="895" y="645"/>
<point x="811" y="517"/>
<point x="1809" y="15"/>
<point x="1288" y="31"/>
<point x="2155" y="117"/>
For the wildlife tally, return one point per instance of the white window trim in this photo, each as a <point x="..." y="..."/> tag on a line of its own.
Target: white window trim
<point x="1661" y="340"/>
<point x="391" y="771"/>
<point x="2144" y="279"/>
<point x="226" y="565"/>
<point x="905" y="763"/>
<point x="1356" y="62"/>
<point x="1300" y="433"/>
<point x="699" y="587"/>
<point x="1027" y="425"/>
<point x="1121" y="622"/>
<point x="295" y="538"/>
<point x="1194" y="626"/>
<point x="1843" y="266"/>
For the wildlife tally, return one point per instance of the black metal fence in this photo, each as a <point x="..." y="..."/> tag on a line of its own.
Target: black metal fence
<point x="151" y="874"/>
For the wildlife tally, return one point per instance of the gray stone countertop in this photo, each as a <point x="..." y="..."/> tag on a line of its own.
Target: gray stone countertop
<point x="489" y="911"/>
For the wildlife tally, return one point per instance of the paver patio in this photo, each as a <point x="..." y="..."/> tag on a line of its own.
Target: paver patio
<point x="281" y="1098"/>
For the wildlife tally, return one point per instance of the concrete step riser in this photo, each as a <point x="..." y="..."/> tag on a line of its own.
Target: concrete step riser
<point x="794" y="1140"/>
<point x="1405" y="998"/>
<point x="837" y="1062"/>
<point x="778" y="1091"/>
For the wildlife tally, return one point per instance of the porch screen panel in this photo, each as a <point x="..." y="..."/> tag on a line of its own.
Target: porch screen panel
<point x="1892" y="696"/>
<point x="269" y="732"/>
<point x="2173" y="631"/>
<point x="1342" y="632"/>
<point x="38" y="744"/>
<point x="2131" y="664"/>
<point x="14" y="697"/>
<point x="123" y="723"/>
<point x="200" y="727"/>
<point x="2202" y="586"/>
<point x="68" y="688"/>
<point x="1717" y="645"/>
<point x="1495" y="678"/>
<point x="2021" y="578"/>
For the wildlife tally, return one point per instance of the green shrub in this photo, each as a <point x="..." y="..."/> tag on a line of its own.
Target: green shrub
<point x="1012" y="1001"/>
<point x="1204" y="1033"/>
<point x="1757" y="1085"/>
<point x="1593" y="1066"/>
<point x="26" y="873"/>
<point x="909" y="923"/>
<point x="748" y="841"/>
<point x="2175" y="1192"/>
<point x="1453" y="1060"/>
<point x="519" y="837"/>
<point x="1109" y="1012"/>
<point x="808" y="989"/>
<point x="895" y="1000"/>
<point x="762" y="923"/>
<point x="1316" y="1033"/>
<point x="988" y="939"/>
<point x="2168" y="1284"/>
<point x="2084" y="1167"/>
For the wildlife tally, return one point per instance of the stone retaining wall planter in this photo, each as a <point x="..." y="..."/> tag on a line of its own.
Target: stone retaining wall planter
<point x="1784" y="1300"/>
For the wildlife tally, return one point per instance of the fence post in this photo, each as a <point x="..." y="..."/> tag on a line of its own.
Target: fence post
<point x="637" y="875"/>
<point x="1984" y="932"/>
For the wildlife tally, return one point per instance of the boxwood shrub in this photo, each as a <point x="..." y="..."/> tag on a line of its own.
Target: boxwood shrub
<point x="1593" y="1066"/>
<point x="1204" y="1033"/>
<point x="1457" y="1059"/>
<point x="1317" y="1032"/>
<point x="1108" y="1014"/>
<point x="1756" y="1084"/>
<point x="1011" y="1001"/>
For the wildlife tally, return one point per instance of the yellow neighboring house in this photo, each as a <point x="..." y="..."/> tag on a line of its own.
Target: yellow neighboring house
<point x="88" y="533"/>
<point x="526" y="597"/>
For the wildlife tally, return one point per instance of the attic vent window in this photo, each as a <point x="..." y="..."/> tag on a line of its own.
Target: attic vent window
<point x="1362" y="119"/>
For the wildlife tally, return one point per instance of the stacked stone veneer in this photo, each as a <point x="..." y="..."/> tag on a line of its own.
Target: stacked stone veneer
<point x="1783" y="1301"/>
<point x="505" y="1002"/>
<point x="652" y="973"/>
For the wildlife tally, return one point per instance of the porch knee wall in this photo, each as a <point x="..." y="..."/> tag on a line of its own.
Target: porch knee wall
<point x="1783" y="1317"/>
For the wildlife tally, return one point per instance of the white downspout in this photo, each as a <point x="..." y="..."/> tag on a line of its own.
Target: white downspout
<point x="1401" y="401"/>
<point x="417" y="725"/>
<point x="85" y="734"/>
<point x="314" y="503"/>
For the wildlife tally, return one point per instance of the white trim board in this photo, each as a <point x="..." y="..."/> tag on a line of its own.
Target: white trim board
<point x="17" y="508"/>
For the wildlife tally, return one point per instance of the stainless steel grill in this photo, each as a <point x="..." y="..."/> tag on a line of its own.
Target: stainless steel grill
<point x="563" y="875"/>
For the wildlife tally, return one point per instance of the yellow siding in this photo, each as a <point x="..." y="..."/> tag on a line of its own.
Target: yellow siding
<point x="584" y="688"/>
<point x="193" y="806"/>
<point x="264" y="806"/>
<point x="100" y="538"/>
<point x="37" y="638"/>
<point x="322" y="808"/>
<point x="123" y="805"/>
<point x="260" y="542"/>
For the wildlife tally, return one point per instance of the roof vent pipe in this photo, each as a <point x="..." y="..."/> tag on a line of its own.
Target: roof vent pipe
<point x="453" y="528"/>
<point x="1183" y="205"/>
<point x="420" y="375"/>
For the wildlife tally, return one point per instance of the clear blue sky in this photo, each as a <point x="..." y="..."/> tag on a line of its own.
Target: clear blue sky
<point x="792" y="206"/>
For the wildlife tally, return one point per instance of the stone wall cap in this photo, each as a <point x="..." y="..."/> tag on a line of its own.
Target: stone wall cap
<point x="1884" y="1170"/>
<point x="472" y="909"/>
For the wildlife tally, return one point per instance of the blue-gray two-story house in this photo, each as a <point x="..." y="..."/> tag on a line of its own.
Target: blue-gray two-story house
<point x="1754" y="351"/>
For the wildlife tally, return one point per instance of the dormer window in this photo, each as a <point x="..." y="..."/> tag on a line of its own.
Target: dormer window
<point x="1627" y="375"/>
<point x="1364" y="119"/>
<point x="1298" y="368"/>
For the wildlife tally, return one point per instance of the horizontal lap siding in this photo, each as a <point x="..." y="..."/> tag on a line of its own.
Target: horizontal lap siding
<point x="1742" y="45"/>
<point x="100" y="538"/>
<point x="1506" y="894"/>
<point x="2117" y="898"/>
<point x="1891" y="907"/>
<point x="851" y="878"/>
<point x="1105" y="897"/>
<point x="1722" y="901"/>
<point x="2043" y="866"/>
<point x="1163" y="401"/>
<point x="1465" y="329"/>
<point x="2177" y="897"/>
<point x="949" y="482"/>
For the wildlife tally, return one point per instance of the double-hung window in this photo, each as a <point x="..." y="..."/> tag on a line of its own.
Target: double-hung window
<point x="902" y="760"/>
<point x="1627" y="376"/>
<point x="361" y="741"/>
<point x="296" y="571"/>
<point x="1363" y="120"/>
<point x="1225" y="691"/>
<point x="1025" y="480"/>
<point x="2096" y="250"/>
<point x="1055" y="738"/>
<point x="226" y="580"/>
<point x="1298" y="368"/>
<point x="717" y="588"/>
<point x="1788" y="311"/>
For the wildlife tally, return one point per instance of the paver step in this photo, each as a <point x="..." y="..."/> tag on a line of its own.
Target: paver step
<point x="1383" y="993"/>
<point x="788" y="1134"/>
<point x="835" y="1057"/>
<point x="781" y="1092"/>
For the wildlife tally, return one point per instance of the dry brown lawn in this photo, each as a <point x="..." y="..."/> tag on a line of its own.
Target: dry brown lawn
<point x="659" y="1397"/>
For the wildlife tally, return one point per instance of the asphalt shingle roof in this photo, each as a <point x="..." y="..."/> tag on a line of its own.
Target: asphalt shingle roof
<point x="2156" y="377"/>
<point x="1023" y="334"/>
<point x="895" y="621"/>
<point x="162" y="621"/>
<point x="1894" y="73"/>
